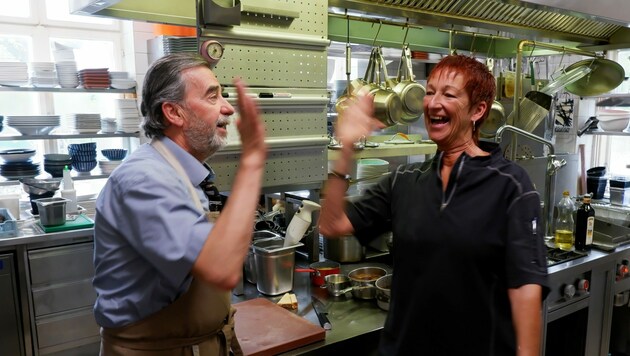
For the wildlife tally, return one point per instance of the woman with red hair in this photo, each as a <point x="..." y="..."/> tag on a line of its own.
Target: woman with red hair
<point x="468" y="254"/>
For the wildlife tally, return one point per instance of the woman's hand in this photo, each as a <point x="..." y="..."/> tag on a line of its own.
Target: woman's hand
<point x="357" y="121"/>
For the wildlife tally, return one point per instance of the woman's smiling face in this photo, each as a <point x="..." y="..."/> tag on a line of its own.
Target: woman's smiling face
<point x="448" y="114"/>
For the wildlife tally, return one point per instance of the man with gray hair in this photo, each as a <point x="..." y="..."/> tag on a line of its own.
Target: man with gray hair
<point x="163" y="268"/>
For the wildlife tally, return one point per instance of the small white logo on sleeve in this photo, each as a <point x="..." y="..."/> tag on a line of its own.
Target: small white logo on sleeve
<point x="534" y="224"/>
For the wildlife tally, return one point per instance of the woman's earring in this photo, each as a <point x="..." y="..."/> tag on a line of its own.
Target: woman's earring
<point x="473" y="124"/>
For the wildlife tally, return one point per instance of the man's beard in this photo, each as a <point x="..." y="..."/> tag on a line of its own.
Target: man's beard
<point x="203" y="138"/>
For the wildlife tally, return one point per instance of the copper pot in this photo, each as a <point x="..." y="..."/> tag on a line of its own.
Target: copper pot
<point x="319" y="271"/>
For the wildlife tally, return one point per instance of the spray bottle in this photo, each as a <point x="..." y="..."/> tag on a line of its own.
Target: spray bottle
<point x="300" y="222"/>
<point x="69" y="192"/>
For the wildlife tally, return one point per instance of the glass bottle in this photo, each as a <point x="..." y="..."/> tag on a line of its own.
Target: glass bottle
<point x="584" y="224"/>
<point x="564" y="227"/>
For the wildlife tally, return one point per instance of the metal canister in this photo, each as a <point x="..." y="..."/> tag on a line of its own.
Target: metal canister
<point x="274" y="265"/>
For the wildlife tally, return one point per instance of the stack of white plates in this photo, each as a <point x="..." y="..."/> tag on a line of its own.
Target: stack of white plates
<point x="13" y="74"/>
<point x="108" y="166"/>
<point x="43" y="75"/>
<point x="127" y="115"/>
<point x="108" y="125"/>
<point x="121" y="80"/>
<point x="67" y="74"/>
<point x="82" y="123"/>
<point x="372" y="168"/>
<point x="33" y="125"/>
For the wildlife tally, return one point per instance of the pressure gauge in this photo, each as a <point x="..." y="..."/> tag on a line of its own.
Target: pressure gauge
<point x="212" y="51"/>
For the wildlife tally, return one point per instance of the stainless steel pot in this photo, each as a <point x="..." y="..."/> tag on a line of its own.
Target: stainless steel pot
<point x="343" y="249"/>
<point x="356" y="85"/>
<point x="363" y="281"/>
<point x="383" y="291"/>
<point x="387" y="104"/>
<point x="250" y="262"/>
<point x="274" y="265"/>
<point x="410" y="92"/>
<point x="495" y="119"/>
<point x="337" y="284"/>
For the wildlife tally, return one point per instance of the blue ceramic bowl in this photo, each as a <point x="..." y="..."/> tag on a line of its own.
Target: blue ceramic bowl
<point x="84" y="166"/>
<point x="114" y="154"/>
<point x="87" y="146"/>
<point x="83" y="156"/>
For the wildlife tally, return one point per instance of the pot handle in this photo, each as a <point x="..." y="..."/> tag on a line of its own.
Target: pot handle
<point x="305" y="270"/>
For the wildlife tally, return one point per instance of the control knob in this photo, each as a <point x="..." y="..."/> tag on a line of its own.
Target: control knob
<point x="622" y="270"/>
<point x="583" y="285"/>
<point x="568" y="291"/>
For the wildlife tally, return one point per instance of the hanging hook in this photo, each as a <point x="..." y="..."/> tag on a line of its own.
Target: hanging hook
<point x="490" y="46"/>
<point x="380" y="24"/>
<point x="406" y="32"/>
<point x="472" y="45"/>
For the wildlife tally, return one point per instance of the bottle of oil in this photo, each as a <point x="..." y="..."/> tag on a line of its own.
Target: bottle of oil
<point x="564" y="227"/>
<point x="584" y="224"/>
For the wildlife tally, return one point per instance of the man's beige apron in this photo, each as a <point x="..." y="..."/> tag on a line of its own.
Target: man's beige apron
<point x="199" y="323"/>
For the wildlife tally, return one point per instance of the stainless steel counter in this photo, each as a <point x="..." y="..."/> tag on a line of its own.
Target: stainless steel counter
<point x="351" y="319"/>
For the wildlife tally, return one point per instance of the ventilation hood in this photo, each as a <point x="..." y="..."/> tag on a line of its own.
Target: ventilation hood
<point x="573" y="23"/>
<point x="586" y="23"/>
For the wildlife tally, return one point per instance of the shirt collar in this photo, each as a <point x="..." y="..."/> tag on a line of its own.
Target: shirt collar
<point x="195" y="170"/>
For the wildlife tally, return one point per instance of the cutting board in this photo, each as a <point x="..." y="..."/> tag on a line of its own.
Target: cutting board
<point x="81" y="222"/>
<point x="264" y="328"/>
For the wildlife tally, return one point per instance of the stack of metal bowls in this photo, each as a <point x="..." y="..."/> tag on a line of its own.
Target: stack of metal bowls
<point x="38" y="189"/>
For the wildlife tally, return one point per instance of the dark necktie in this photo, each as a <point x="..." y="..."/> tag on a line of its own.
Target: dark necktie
<point x="212" y="192"/>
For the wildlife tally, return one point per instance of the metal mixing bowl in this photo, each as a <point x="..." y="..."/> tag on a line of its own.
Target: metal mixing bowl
<point x="40" y="186"/>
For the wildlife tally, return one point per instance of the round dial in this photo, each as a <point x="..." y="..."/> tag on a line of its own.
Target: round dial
<point x="212" y="50"/>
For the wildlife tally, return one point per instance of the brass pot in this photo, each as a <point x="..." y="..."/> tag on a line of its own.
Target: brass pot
<point x="495" y="119"/>
<point x="410" y="92"/>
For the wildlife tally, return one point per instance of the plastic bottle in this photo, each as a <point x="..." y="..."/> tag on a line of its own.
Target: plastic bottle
<point x="300" y="223"/>
<point x="69" y="192"/>
<point x="584" y="224"/>
<point x="565" y="226"/>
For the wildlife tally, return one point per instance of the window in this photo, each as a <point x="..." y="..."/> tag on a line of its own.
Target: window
<point x="613" y="151"/>
<point x="30" y="31"/>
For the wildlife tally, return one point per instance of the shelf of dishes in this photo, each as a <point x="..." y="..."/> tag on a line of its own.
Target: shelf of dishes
<point x="54" y="136"/>
<point x="69" y="90"/>
<point x="82" y="160"/>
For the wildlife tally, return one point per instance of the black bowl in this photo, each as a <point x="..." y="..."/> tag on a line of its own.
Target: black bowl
<point x="596" y="172"/>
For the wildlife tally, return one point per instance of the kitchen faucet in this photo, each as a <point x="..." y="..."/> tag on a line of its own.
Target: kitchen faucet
<point x="553" y="165"/>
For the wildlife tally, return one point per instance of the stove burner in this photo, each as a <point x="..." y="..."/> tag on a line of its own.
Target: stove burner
<point x="556" y="256"/>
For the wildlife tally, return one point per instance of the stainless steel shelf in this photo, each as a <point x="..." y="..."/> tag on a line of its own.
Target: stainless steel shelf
<point x="93" y="174"/>
<point x="68" y="136"/>
<point x="390" y="150"/>
<point x="608" y="133"/>
<point x="69" y="90"/>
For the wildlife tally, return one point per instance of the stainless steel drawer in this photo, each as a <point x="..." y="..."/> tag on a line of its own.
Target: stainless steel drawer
<point x="57" y="329"/>
<point x="62" y="297"/>
<point x="61" y="264"/>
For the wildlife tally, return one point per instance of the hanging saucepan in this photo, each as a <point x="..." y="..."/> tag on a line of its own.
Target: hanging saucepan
<point x="605" y="76"/>
<point x="387" y="104"/>
<point x="356" y="85"/>
<point x="410" y="92"/>
<point x="495" y="119"/>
